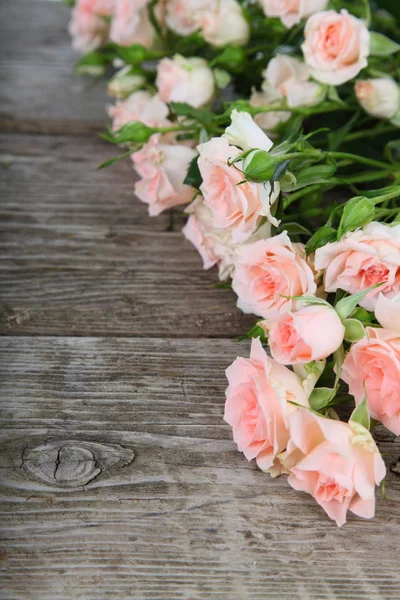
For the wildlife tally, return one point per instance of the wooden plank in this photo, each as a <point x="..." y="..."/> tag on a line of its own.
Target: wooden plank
<point x="38" y="89"/>
<point x="120" y="480"/>
<point x="79" y="255"/>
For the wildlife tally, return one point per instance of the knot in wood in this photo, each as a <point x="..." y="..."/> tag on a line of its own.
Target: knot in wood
<point x="70" y="463"/>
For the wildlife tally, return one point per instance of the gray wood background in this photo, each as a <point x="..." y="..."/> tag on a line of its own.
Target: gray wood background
<point x="119" y="476"/>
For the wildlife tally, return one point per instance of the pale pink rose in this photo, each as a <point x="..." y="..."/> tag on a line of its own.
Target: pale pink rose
<point x="236" y="208"/>
<point x="131" y="23"/>
<point x="336" y="46"/>
<point x="286" y="78"/>
<point x="245" y="133"/>
<point x="88" y="27"/>
<point x="258" y="406"/>
<point x="286" y="81"/>
<point x="311" y="333"/>
<point x="291" y="12"/>
<point x="372" y="367"/>
<point x="215" y="246"/>
<point x="182" y="15"/>
<point x="162" y="168"/>
<point x="139" y="106"/>
<point x="337" y="463"/>
<point x="267" y="271"/>
<point x="387" y="312"/>
<point x="361" y="259"/>
<point x="195" y="232"/>
<point x="378" y="97"/>
<point x="222" y="22"/>
<point x="188" y="80"/>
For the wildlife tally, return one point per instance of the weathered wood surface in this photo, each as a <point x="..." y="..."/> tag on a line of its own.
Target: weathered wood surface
<point x="79" y="254"/>
<point x="119" y="476"/>
<point x="38" y="88"/>
<point x="120" y="480"/>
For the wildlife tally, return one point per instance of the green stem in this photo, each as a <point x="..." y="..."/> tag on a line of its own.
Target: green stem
<point x="360" y="159"/>
<point x="395" y="193"/>
<point x="300" y="193"/>
<point x="358" y="135"/>
<point x="360" y="178"/>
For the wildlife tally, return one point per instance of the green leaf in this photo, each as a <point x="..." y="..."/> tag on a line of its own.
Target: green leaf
<point x="294" y="229"/>
<point x="357" y="212"/>
<point x="202" y="115"/>
<point x="255" y="332"/>
<point x="380" y="45"/>
<point x="363" y="315"/>
<point x="345" y="307"/>
<point x="135" y="54"/>
<point x="321" y="237"/>
<point x="339" y="360"/>
<point x="321" y="397"/>
<point x="361" y="415"/>
<point x="193" y="175"/>
<point x="113" y="160"/>
<point x="354" y="330"/>
<point x="231" y="58"/>
<point x="313" y="174"/>
<point x="309" y="300"/>
<point x="93" y="64"/>
<point x="134" y="132"/>
<point x="280" y="170"/>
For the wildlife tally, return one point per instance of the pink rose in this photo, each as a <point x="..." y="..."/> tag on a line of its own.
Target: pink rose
<point x="131" y="23"/>
<point x="387" y="311"/>
<point x="215" y="246"/>
<point x="311" y="333"/>
<point x="287" y="77"/>
<point x="236" y="208"/>
<point x="361" y="259"/>
<point x="182" y="15"/>
<point x="372" y="367"/>
<point x="139" y="106"/>
<point x="336" y="46"/>
<point x="162" y="168"/>
<point x="267" y="271"/>
<point x="291" y="12"/>
<point x="88" y="27"/>
<point x="337" y="463"/>
<point x="222" y="22"/>
<point x="379" y="97"/>
<point x="286" y="80"/>
<point x="187" y="80"/>
<point x="258" y="406"/>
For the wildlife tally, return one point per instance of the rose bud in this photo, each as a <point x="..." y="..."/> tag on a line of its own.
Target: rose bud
<point x="258" y="166"/>
<point x="379" y="97"/>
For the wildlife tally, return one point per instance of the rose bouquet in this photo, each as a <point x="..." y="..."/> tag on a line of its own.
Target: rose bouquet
<point x="275" y="122"/>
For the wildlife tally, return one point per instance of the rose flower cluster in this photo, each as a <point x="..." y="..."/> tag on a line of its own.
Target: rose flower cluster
<point x="275" y="124"/>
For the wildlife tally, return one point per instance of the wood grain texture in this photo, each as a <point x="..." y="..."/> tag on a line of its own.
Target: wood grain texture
<point x="79" y="254"/>
<point x="39" y="90"/>
<point x="187" y="517"/>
